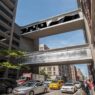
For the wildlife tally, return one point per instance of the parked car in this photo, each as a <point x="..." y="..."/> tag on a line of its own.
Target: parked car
<point x="7" y="85"/>
<point x="78" y="84"/>
<point x="56" y="84"/>
<point x="69" y="87"/>
<point x="30" y="88"/>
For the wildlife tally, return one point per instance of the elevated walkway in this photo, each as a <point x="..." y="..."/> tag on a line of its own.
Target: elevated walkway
<point x="58" y="24"/>
<point x="69" y="55"/>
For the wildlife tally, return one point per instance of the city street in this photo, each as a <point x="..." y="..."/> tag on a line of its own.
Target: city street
<point x="58" y="92"/>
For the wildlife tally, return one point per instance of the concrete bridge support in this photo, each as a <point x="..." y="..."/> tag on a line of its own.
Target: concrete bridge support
<point x="29" y="45"/>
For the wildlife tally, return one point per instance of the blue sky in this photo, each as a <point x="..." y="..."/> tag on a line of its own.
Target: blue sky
<point x="29" y="11"/>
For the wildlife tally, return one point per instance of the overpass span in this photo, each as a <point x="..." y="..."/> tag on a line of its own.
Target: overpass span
<point x="55" y="25"/>
<point x="69" y="55"/>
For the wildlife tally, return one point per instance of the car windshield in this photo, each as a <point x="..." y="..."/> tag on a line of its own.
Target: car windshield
<point x="68" y="84"/>
<point x="28" y="84"/>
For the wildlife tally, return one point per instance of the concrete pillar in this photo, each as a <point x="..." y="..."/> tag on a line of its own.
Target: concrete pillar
<point x="90" y="41"/>
<point x="28" y="44"/>
<point x="35" y="69"/>
<point x="87" y="32"/>
<point x="35" y="44"/>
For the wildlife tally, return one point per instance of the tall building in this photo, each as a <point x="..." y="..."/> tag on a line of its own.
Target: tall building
<point x="88" y="8"/>
<point x="80" y="75"/>
<point x="72" y="72"/>
<point x="7" y="23"/>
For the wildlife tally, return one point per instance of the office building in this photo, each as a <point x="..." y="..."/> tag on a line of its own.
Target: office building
<point x="7" y="23"/>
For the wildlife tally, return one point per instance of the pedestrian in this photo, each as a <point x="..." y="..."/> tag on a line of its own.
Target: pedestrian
<point x="91" y="87"/>
<point x="86" y="89"/>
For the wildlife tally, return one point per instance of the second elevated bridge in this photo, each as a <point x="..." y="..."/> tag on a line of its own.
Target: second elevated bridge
<point x="69" y="55"/>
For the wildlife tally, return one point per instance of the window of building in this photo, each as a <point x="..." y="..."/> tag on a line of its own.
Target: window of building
<point x="54" y="68"/>
<point x="49" y="73"/>
<point x="49" y="68"/>
<point x="54" y="73"/>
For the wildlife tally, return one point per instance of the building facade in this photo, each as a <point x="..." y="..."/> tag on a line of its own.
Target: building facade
<point x="56" y="71"/>
<point x="88" y="9"/>
<point x="72" y="72"/>
<point x="80" y="76"/>
<point x="7" y="23"/>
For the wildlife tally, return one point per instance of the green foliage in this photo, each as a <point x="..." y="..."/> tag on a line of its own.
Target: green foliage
<point x="42" y="72"/>
<point x="16" y="53"/>
<point x="9" y="65"/>
<point x="12" y="53"/>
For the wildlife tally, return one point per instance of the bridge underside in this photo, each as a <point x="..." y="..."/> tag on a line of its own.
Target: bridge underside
<point x="85" y="61"/>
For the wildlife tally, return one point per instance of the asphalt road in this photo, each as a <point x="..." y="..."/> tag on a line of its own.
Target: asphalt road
<point x="58" y="92"/>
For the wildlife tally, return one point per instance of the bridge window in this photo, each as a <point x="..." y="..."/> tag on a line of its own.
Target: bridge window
<point x="42" y="25"/>
<point x="23" y="30"/>
<point x="68" y="18"/>
<point x="32" y="28"/>
<point x="64" y="19"/>
<point x="53" y="23"/>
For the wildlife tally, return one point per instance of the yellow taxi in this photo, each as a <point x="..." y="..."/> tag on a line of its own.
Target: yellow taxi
<point x="56" y="84"/>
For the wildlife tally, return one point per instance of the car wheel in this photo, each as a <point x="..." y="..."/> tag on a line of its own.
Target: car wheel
<point x="9" y="90"/>
<point x="31" y="93"/>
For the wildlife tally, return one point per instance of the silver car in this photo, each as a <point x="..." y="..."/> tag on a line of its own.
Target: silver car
<point x="30" y="88"/>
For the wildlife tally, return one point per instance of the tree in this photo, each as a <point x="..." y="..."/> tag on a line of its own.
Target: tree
<point x="42" y="72"/>
<point x="9" y="59"/>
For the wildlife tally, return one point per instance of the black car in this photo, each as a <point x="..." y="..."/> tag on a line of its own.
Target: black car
<point x="7" y="85"/>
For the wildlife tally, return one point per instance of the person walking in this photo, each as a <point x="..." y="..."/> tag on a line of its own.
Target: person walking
<point x="91" y="87"/>
<point x="85" y="88"/>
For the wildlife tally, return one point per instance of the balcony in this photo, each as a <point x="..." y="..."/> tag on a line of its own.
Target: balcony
<point x="5" y="16"/>
<point x="4" y="34"/>
<point x="5" y="7"/>
<point x="5" y="25"/>
<point x="4" y="44"/>
<point x="9" y="3"/>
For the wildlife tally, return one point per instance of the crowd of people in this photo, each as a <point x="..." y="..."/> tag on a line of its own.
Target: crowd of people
<point x="89" y="87"/>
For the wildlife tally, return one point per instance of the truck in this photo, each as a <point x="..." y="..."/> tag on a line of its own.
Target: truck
<point x="29" y="76"/>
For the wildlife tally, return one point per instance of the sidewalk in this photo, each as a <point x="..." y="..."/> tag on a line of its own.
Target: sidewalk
<point x="83" y="93"/>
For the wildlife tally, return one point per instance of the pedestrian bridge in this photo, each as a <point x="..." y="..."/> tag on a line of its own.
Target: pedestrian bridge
<point x="58" y="24"/>
<point x="69" y="55"/>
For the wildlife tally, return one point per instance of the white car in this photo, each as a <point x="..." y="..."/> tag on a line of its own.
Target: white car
<point x="69" y="88"/>
<point x="78" y="84"/>
<point x="30" y="88"/>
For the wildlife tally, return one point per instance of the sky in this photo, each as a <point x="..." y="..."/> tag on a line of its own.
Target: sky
<point x="29" y="11"/>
